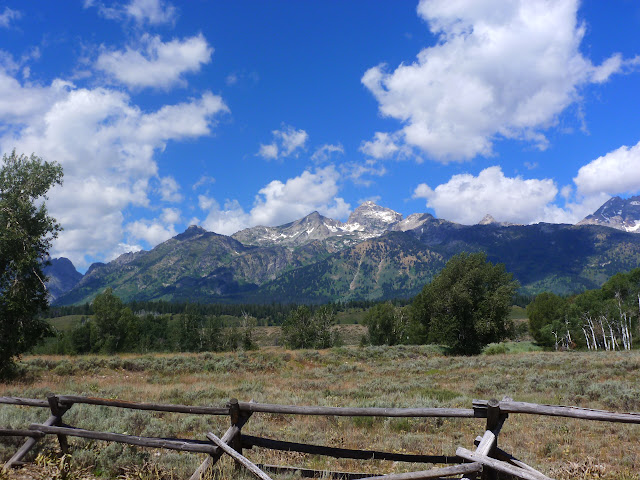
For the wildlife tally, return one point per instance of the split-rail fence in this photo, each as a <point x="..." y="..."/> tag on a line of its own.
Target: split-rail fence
<point x="487" y="461"/>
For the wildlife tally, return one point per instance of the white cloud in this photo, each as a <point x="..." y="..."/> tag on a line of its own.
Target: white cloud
<point x="202" y="181"/>
<point x="156" y="63"/>
<point x="170" y="216"/>
<point x="170" y="190"/>
<point x="106" y="146"/>
<point x="326" y="151"/>
<point x="466" y="199"/>
<point x="280" y="202"/>
<point x="157" y="230"/>
<point x="270" y="151"/>
<point x="358" y="172"/>
<point x="226" y="221"/>
<point x="616" y="172"/>
<point x="499" y="70"/>
<point x="285" y="143"/>
<point x="151" y="231"/>
<point x="120" y="249"/>
<point x="8" y="16"/>
<point x="382" y="146"/>
<point x="152" y="12"/>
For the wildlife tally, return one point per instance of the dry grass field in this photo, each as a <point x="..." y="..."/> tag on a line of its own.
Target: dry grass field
<point x="347" y="376"/>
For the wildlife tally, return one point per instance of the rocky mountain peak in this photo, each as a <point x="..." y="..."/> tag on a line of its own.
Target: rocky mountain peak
<point x="373" y="218"/>
<point x="192" y="231"/>
<point x="62" y="276"/>
<point x="487" y="220"/>
<point x="313" y="217"/>
<point x="619" y="213"/>
<point x="413" y="221"/>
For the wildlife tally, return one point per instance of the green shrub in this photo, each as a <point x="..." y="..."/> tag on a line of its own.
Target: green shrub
<point x="495" y="349"/>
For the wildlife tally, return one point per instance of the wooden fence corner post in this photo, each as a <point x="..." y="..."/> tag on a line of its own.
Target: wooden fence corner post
<point x="494" y="424"/>
<point x="234" y="416"/>
<point x="58" y="410"/>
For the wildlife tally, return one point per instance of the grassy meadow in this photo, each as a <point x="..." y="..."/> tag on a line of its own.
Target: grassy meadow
<point x="403" y="376"/>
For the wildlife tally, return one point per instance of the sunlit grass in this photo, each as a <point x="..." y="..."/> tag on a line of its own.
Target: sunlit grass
<point x="403" y="376"/>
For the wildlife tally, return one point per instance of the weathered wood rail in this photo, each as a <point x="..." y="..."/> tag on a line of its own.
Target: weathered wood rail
<point x="485" y="462"/>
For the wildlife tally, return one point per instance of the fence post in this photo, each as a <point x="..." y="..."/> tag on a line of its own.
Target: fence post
<point x="234" y="415"/>
<point x="58" y="410"/>
<point x="495" y="421"/>
<point x="494" y="424"/>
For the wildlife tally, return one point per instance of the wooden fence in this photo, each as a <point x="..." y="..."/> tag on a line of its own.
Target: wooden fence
<point x="485" y="462"/>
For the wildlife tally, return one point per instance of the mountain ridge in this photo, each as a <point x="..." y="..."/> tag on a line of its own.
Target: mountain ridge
<point x="376" y="254"/>
<point x="622" y="214"/>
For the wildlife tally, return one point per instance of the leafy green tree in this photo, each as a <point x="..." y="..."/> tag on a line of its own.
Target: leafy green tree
<point x="26" y="233"/>
<point x="386" y="325"/>
<point x="467" y="304"/>
<point x="112" y="320"/>
<point x="306" y="329"/>
<point x="546" y="310"/>
<point x="81" y="336"/>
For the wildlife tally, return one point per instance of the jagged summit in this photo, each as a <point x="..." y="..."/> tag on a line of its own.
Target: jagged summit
<point x="367" y="221"/>
<point x="375" y="255"/>
<point x="487" y="220"/>
<point x="299" y="232"/>
<point x="190" y="232"/>
<point x="372" y="218"/>
<point x="623" y="214"/>
<point x="62" y="276"/>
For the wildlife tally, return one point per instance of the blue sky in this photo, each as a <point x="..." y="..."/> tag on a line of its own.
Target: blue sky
<point x="234" y="114"/>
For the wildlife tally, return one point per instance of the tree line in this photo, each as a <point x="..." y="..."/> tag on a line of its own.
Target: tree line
<point x="265" y="314"/>
<point x="465" y="307"/>
<point x="600" y="319"/>
<point x="115" y="328"/>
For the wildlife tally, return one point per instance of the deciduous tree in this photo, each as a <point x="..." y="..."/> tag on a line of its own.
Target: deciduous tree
<point x="467" y="304"/>
<point x="26" y="233"/>
<point x="306" y="329"/>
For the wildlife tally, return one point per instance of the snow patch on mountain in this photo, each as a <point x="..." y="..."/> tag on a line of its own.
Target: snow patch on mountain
<point x="622" y="214"/>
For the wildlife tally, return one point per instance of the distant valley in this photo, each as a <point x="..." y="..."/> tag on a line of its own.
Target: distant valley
<point x="376" y="254"/>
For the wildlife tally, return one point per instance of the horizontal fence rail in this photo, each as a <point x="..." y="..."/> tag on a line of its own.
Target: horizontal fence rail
<point x="27" y="402"/>
<point x="562" y="411"/>
<point x="359" y="412"/>
<point x="156" y="407"/>
<point x="486" y="460"/>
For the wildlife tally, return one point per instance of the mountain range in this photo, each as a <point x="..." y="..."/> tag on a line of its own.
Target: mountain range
<point x="375" y="254"/>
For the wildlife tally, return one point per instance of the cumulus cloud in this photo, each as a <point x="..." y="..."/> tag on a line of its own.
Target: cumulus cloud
<point x="156" y="63"/>
<point x="170" y="190"/>
<point x="280" y="202"/>
<point x="466" y="199"/>
<point x="285" y="143"/>
<point x="151" y="12"/>
<point x="382" y="146"/>
<point x="106" y="146"/>
<point x="616" y="172"/>
<point x="498" y="70"/>
<point x="270" y="151"/>
<point x="152" y="231"/>
<point x="170" y="216"/>
<point x="8" y="16"/>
